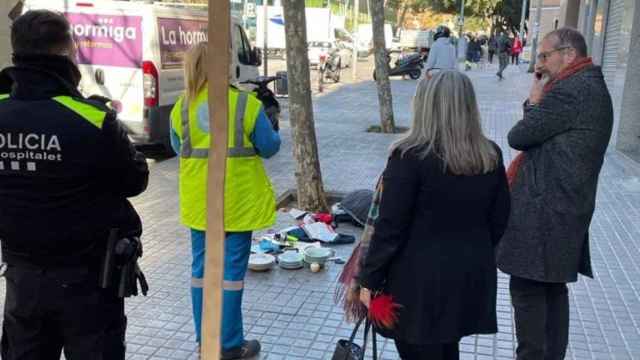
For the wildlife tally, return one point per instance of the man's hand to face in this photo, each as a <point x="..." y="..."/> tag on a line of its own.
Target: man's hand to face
<point x="537" y="89"/>
<point x="551" y="60"/>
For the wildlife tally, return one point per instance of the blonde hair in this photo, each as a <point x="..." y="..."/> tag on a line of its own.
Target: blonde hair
<point x="196" y="61"/>
<point x="446" y="122"/>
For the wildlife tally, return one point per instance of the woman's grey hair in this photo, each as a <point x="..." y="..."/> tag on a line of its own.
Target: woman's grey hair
<point x="446" y="122"/>
<point x="569" y="37"/>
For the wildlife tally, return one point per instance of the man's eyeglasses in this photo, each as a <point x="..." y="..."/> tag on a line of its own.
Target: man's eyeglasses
<point x="543" y="56"/>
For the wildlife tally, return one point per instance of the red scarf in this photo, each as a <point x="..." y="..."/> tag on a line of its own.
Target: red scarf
<point x="573" y="68"/>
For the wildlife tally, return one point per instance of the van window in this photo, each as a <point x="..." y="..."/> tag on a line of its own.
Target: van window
<point x="242" y="44"/>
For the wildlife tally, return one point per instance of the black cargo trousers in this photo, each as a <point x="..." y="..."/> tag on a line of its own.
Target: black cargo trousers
<point x="48" y="310"/>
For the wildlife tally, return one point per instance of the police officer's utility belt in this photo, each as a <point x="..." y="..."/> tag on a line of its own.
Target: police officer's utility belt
<point x="120" y="266"/>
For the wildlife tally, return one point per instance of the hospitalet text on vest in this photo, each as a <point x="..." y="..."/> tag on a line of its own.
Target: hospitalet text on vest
<point x="19" y="146"/>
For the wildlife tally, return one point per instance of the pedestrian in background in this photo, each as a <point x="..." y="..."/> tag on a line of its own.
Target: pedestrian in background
<point x="493" y="48"/>
<point x="442" y="55"/>
<point x="563" y="138"/>
<point x="443" y="209"/>
<point x="60" y="211"/>
<point x="249" y="198"/>
<point x="504" y="53"/>
<point x="516" y="50"/>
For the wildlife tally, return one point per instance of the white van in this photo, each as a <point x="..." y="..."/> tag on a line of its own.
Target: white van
<point x="131" y="52"/>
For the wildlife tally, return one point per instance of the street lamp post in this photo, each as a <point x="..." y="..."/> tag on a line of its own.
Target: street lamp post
<point x="461" y="21"/>
<point x="524" y="13"/>
<point x="265" y="28"/>
<point x="536" y="32"/>
<point x="461" y="55"/>
<point x="354" y="65"/>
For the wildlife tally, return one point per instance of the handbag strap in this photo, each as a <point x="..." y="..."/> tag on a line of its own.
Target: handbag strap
<point x="355" y="331"/>
<point x="352" y="338"/>
<point x="374" y="343"/>
<point x="367" y="326"/>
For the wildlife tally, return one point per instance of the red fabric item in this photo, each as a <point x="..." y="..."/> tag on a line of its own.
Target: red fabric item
<point x="512" y="171"/>
<point x="573" y="68"/>
<point x="516" y="49"/>
<point x="383" y="312"/>
<point x="325" y="218"/>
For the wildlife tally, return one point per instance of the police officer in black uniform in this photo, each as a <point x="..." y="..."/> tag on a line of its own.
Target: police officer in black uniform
<point x="67" y="168"/>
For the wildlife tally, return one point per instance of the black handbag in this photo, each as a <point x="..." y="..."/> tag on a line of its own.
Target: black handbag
<point x="348" y="350"/>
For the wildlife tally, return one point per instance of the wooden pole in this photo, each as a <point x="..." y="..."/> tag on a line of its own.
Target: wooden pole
<point x="218" y="76"/>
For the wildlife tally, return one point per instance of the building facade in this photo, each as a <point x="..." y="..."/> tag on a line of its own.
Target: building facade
<point x="612" y="31"/>
<point x="5" y="28"/>
<point x="550" y="17"/>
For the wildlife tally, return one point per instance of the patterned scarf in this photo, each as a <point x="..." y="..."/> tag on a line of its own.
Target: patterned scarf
<point x="575" y="67"/>
<point x="348" y="290"/>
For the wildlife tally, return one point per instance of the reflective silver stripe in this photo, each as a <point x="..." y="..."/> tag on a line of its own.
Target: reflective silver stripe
<point x="233" y="285"/>
<point x="241" y="106"/>
<point x="197" y="283"/>
<point x="187" y="149"/>
<point x="238" y="150"/>
<point x="241" y="152"/>
<point x="199" y="153"/>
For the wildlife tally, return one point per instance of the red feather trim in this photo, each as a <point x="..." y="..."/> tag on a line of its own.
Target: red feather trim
<point x="383" y="311"/>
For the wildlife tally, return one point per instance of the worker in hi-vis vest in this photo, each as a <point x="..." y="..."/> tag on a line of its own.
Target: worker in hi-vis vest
<point x="249" y="202"/>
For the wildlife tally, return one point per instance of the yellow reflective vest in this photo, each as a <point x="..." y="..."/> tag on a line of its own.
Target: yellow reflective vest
<point x="249" y="199"/>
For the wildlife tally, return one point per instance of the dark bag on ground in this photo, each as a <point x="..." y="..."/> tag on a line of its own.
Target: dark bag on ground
<point x="354" y="207"/>
<point x="348" y="350"/>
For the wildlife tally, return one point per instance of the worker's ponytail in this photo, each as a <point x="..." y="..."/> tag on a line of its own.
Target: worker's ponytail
<point x="195" y="70"/>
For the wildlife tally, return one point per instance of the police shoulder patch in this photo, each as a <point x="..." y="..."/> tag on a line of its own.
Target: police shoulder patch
<point x="88" y="110"/>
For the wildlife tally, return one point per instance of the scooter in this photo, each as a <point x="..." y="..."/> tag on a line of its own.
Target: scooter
<point x="411" y="65"/>
<point x="329" y="68"/>
<point x="267" y="97"/>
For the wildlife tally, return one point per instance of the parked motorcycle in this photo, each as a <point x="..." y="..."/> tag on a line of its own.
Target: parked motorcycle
<point x="411" y="65"/>
<point x="330" y="66"/>
<point x="267" y="97"/>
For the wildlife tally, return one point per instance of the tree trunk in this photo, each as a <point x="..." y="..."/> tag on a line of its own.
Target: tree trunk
<point x="382" y="67"/>
<point x="402" y="13"/>
<point x="311" y="196"/>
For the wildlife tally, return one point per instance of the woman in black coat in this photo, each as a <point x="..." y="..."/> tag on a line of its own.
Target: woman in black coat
<point x="444" y="206"/>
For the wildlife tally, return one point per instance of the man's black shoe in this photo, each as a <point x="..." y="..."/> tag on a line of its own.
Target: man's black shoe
<point x="248" y="350"/>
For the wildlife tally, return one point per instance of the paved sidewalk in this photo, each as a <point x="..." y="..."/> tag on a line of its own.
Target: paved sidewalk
<point x="292" y="312"/>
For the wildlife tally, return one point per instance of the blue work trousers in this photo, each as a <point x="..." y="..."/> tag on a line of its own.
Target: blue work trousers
<point x="237" y="247"/>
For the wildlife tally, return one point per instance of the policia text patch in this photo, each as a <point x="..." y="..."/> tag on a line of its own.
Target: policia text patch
<point x="19" y="151"/>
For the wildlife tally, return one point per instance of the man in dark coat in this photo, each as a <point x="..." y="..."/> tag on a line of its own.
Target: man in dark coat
<point x="564" y="136"/>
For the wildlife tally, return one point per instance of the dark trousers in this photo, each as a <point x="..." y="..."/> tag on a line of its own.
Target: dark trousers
<point x="47" y="311"/>
<point x="542" y="319"/>
<point x="515" y="59"/>
<point x="428" y="351"/>
<point x="503" y="58"/>
<point x="491" y="54"/>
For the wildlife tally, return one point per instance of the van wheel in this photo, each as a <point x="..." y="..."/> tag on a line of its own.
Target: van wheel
<point x="167" y="149"/>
